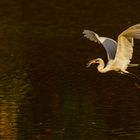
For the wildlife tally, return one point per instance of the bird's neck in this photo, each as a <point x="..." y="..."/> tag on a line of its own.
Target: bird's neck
<point x="101" y="67"/>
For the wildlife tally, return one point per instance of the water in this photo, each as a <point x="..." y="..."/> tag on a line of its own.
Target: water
<point x="46" y="91"/>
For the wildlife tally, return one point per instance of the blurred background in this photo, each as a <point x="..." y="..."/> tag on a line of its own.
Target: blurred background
<point x="46" y="91"/>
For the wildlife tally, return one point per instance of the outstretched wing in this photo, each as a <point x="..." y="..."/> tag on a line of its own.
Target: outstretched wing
<point x="125" y="46"/>
<point x="91" y="36"/>
<point x="109" y="44"/>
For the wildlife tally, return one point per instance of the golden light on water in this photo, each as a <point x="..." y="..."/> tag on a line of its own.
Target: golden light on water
<point x="8" y="130"/>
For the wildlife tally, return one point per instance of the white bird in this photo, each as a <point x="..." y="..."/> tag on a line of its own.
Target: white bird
<point x="119" y="53"/>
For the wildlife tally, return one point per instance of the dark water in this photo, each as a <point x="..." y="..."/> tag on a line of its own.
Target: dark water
<point x="46" y="91"/>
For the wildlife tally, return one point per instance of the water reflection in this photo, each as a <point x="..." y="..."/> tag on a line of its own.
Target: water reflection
<point x="46" y="91"/>
<point x="8" y="116"/>
<point x="14" y="87"/>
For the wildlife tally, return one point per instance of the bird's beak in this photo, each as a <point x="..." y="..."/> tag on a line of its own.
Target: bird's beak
<point x="91" y="62"/>
<point x="94" y="61"/>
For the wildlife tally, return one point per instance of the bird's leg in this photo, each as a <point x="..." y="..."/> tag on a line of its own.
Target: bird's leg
<point x="123" y="72"/>
<point x="89" y="63"/>
<point x="134" y="78"/>
<point x="134" y="75"/>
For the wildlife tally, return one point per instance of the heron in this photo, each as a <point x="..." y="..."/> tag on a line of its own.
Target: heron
<point x="119" y="53"/>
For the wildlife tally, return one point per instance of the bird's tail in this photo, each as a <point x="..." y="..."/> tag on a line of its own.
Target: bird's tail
<point x="133" y="65"/>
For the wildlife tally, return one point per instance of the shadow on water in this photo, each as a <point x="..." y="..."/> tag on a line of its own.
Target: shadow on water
<point x="46" y="91"/>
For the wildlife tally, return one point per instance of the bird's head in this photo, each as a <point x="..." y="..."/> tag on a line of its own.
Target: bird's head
<point x="94" y="61"/>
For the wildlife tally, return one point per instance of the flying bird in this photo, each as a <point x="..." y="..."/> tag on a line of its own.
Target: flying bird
<point x="119" y="53"/>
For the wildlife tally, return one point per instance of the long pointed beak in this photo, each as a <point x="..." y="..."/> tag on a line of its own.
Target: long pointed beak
<point x="90" y="62"/>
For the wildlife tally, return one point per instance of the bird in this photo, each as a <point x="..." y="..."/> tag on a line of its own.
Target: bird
<point x="119" y="53"/>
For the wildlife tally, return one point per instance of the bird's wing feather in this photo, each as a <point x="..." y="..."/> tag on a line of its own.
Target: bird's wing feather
<point x="125" y="46"/>
<point x="109" y="44"/>
<point x="91" y="36"/>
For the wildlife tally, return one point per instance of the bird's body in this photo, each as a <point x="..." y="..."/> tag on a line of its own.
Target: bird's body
<point x="119" y="53"/>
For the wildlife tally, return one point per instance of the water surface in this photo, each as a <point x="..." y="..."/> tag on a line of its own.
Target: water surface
<point x="46" y="91"/>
